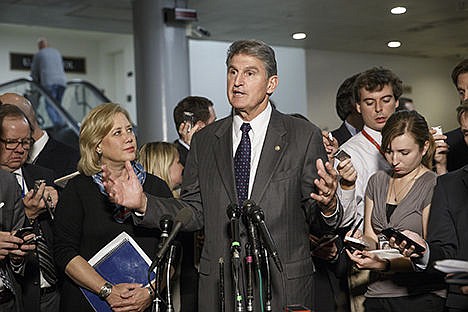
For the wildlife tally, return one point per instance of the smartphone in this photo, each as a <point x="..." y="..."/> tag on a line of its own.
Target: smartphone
<point x="399" y="237"/>
<point x="341" y="155"/>
<point x="190" y="119"/>
<point x="355" y="243"/>
<point x="324" y="241"/>
<point x="22" y="232"/>
<point x="32" y="240"/>
<point x="37" y="185"/>
<point x="438" y="130"/>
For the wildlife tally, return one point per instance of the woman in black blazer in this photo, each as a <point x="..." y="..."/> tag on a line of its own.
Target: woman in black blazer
<point x="86" y="220"/>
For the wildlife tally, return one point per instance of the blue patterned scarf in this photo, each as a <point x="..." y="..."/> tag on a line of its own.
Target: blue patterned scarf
<point x="120" y="212"/>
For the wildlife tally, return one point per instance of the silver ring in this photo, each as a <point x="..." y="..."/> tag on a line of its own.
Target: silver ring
<point x="327" y="194"/>
<point x="49" y="198"/>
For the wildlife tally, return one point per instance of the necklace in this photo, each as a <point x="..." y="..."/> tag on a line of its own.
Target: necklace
<point x="394" y="195"/>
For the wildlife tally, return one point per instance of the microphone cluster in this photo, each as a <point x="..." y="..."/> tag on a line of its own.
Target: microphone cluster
<point x="259" y="247"/>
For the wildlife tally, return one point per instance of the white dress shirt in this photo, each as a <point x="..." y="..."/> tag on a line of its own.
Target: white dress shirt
<point x="257" y="136"/>
<point x="366" y="160"/>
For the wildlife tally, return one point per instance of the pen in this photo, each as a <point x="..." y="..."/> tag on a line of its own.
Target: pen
<point x="356" y="227"/>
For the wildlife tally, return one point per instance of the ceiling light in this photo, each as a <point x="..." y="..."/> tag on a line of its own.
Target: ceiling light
<point x="398" y="10"/>
<point x="394" y="44"/>
<point x="299" y="36"/>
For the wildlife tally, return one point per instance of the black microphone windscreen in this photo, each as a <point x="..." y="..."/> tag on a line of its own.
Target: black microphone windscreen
<point x="184" y="215"/>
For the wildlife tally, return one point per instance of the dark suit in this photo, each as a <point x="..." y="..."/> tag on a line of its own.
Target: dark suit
<point x="342" y="134"/>
<point x="11" y="217"/>
<point x="447" y="234"/>
<point x="31" y="281"/>
<point x="58" y="157"/>
<point x="283" y="183"/>
<point x="183" y="152"/>
<point x="457" y="156"/>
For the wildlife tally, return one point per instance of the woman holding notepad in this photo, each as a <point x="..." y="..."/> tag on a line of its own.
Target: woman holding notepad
<point x="396" y="201"/>
<point x="86" y="220"/>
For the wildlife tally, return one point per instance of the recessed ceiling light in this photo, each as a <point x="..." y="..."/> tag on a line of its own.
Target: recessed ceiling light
<point x="394" y="44"/>
<point x="398" y="10"/>
<point x="299" y="36"/>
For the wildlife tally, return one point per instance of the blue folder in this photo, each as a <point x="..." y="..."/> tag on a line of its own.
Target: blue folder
<point x="120" y="261"/>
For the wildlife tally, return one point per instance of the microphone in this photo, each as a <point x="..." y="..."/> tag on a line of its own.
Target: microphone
<point x="234" y="213"/>
<point x="249" y="269"/>
<point x="252" y="233"/>
<point x="165" y="224"/>
<point x="256" y="215"/>
<point x="182" y="217"/>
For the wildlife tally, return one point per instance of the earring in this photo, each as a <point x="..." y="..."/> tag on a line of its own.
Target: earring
<point x="99" y="151"/>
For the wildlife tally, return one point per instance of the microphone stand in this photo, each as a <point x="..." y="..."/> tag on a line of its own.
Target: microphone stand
<point x="267" y="281"/>
<point x="234" y="213"/>
<point x="222" y="302"/>
<point x="171" y="256"/>
<point x="165" y="225"/>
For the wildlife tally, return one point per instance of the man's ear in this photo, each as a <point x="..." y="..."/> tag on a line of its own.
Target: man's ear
<point x="272" y="84"/>
<point x="358" y="107"/>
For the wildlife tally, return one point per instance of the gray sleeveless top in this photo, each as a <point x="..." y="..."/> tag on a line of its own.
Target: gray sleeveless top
<point x="407" y="216"/>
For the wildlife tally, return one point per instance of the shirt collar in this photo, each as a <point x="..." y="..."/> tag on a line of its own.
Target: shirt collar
<point x="257" y="124"/>
<point x="376" y="135"/>
<point x="37" y="147"/>
<point x="184" y="144"/>
<point x="350" y="128"/>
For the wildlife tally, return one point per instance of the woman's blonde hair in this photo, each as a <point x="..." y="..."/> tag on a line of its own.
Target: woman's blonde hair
<point x="157" y="158"/>
<point x="95" y="126"/>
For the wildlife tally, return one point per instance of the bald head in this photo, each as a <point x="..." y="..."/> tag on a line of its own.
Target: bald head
<point x="23" y="103"/>
<point x="42" y="43"/>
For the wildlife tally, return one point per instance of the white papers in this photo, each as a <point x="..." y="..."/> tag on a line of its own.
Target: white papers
<point x="62" y="182"/>
<point x="451" y="266"/>
<point x="387" y="253"/>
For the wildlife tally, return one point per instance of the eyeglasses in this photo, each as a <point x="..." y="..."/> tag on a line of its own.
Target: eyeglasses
<point x="13" y="144"/>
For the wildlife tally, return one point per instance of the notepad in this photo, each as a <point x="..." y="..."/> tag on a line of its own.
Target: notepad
<point x="120" y="261"/>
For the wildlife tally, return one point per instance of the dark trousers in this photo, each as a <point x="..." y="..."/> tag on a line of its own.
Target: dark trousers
<point x="56" y="91"/>
<point x="423" y="303"/>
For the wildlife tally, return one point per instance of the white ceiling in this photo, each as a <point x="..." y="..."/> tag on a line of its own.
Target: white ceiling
<point x="430" y="28"/>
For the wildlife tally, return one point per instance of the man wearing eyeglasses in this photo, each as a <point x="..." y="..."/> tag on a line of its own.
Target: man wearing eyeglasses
<point x="39" y="288"/>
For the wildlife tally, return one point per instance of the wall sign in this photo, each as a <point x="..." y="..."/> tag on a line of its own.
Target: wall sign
<point x="22" y="61"/>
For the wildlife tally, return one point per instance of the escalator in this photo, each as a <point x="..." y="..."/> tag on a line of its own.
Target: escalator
<point x="61" y="120"/>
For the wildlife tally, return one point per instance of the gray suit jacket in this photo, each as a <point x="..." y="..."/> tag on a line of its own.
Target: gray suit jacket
<point x="11" y="217"/>
<point x="282" y="187"/>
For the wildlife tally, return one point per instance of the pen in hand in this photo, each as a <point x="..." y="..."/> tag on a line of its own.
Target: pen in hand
<point x="356" y="227"/>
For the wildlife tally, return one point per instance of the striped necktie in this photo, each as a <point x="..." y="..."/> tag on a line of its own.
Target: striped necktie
<point x="46" y="262"/>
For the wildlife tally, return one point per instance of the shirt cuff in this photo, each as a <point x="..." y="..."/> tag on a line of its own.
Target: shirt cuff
<point x="420" y="264"/>
<point x="139" y="214"/>
<point x="331" y="219"/>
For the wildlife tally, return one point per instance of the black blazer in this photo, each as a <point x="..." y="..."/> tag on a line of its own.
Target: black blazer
<point x="457" y="156"/>
<point x="30" y="282"/>
<point x="447" y="234"/>
<point x="183" y="152"/>
<point x="58" y="157"/>
<point x="342" y="134"/>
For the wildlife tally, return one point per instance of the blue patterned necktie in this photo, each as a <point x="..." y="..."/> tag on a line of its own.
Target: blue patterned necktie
<point x="242" y="164"/>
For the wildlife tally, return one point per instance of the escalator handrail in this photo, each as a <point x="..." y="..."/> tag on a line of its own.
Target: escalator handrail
<point x="74" y="125"/>
<point x="90" y="86"/>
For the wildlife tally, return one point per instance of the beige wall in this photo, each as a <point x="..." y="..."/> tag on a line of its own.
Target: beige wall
<point x="432" y="90"/>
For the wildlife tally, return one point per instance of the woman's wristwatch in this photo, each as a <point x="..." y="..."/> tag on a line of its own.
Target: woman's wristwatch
<point x="105" y="290"/>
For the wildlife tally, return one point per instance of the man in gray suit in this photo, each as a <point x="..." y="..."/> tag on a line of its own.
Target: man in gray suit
<point x="286" y="177"/>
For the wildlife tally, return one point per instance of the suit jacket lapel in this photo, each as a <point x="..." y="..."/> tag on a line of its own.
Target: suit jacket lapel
<point x="272" y="151"/>
<point x="222" y="150"/>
